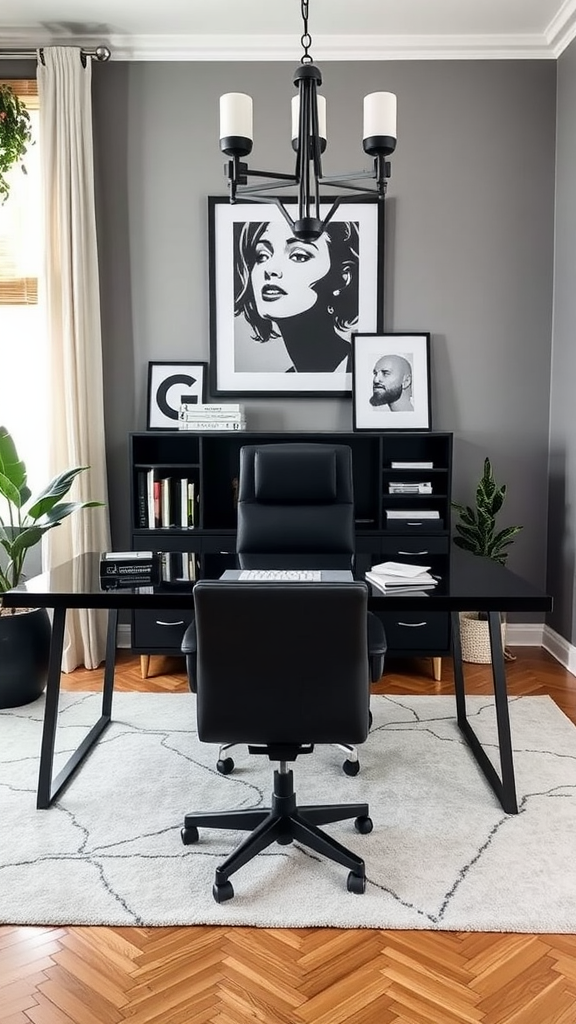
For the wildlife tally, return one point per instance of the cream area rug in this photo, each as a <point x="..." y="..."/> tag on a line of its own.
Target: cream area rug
<point x="442" y="855"/>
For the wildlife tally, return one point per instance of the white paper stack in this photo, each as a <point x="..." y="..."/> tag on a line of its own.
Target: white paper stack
<point x="401" y="578"/>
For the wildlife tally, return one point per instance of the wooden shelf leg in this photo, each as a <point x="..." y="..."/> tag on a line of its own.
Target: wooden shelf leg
<point x="437" y="669"/>
<point x="144" y="665"/>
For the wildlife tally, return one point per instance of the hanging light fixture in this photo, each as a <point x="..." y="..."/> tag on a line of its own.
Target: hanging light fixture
<point x="309" y="142"/>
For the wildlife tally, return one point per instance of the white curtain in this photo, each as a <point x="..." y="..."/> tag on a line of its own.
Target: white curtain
<point x="76" y="417"/>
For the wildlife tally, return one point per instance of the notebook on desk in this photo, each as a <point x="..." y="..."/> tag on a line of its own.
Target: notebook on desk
<point x="288" y="575"/>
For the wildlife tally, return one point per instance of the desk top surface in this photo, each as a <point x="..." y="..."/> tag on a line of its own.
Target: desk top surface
<point x="472" y="584"/>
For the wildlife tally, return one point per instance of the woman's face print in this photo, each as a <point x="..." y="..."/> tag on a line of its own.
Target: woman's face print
<point x="285" y="271"/>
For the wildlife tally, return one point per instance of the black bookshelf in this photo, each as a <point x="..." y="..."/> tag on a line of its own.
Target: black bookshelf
<point x="202" y="542"/>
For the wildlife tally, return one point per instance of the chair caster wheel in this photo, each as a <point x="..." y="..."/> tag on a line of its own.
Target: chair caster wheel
<point x="370" y="719"/>
<point x="222" y="892"/>
<point x="363" y="825"/>
<point x="351" y="767"/>
<point x="225" y="766"/>
<point x="189" y="835"/>
<point x="356" y="883"/>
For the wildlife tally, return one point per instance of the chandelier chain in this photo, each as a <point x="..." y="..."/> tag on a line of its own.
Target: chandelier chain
<point x="306" y="38"/>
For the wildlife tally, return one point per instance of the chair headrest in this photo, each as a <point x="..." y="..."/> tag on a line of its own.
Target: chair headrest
<point x="295" y="478"/>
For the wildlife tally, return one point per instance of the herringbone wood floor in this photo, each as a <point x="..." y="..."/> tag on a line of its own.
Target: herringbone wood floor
<point x="214" y="975"/>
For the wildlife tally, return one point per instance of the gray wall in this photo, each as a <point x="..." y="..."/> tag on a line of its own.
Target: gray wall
<point x="469" y="246"/>
<point x="562" y="505"/>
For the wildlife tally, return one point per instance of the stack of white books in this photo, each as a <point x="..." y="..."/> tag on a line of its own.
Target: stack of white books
<point x="211" y="416"/>
<point x="407" y="487"/>
<point x="401" y="578"/>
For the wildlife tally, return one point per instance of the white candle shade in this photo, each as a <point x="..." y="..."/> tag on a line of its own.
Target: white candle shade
<point x="380" y="115"/>
<point x="321" y="116"/>
<point x="236" y="116"/>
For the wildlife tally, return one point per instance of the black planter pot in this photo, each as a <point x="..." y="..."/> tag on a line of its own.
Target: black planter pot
<point x="24" y="651"/>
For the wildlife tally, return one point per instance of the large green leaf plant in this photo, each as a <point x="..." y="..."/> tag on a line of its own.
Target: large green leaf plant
<point x="476" y="529"/>
<point x="22" y="527"/>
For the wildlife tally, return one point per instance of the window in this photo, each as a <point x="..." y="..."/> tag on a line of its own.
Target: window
<point x="23" y="364"/>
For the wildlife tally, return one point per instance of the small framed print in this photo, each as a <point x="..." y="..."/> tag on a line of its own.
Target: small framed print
<point x="169" y="385"/>
<point x="391" y="381"/>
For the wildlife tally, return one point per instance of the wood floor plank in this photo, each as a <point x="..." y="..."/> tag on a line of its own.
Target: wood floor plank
<point x="223" y="975"/>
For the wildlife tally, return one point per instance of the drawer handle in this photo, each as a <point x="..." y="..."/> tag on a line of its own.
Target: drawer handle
<point x="413" y="524"/>
<point x="412" y="552"/>
<point x="413" y="625"/>
<point x="160" y="623"/>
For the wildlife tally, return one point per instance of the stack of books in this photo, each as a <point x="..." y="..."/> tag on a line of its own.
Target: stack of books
<point x="407" y="487"/>
<point x="400" y="578"/>
<point x="229" y="416"/>
<point x="129" y="569"/>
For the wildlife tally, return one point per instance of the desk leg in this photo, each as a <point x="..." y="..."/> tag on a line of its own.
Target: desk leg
<point x="504" y="787"/>
<point x="49" y="789"/>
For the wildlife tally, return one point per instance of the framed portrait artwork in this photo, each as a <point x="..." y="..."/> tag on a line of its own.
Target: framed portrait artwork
<point x="391" y="381"/>
<point x="282" y="311"/>
<point x="170" y="384"/>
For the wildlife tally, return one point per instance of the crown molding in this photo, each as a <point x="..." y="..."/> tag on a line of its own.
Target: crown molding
<point x="562" y="29"/>
<point x="330" y="48"/>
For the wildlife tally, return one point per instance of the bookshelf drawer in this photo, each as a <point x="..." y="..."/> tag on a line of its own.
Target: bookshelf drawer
<point x="160" y="630"/>
<point x="411" y="549"/>
<point x="416" y="631"/>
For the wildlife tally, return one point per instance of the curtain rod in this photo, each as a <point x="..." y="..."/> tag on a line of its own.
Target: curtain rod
<point x="99" y="53"/>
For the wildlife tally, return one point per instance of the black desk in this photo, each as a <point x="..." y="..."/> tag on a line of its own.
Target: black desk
<point x="474" y="584"/>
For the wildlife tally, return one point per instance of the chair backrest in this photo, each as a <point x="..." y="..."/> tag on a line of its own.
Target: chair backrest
<point x="295" y="498"/>
<point x="282" y="663"/>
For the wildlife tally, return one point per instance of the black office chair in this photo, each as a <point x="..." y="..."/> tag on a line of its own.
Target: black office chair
<point x="296" y="510"/>
<point x="317" y="691"/>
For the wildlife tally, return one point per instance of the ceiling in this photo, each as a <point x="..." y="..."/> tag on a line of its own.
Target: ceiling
<point x="271" y="29"/>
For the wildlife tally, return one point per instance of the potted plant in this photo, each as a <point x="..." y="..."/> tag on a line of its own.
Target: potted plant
<point x="25" y="633"/>
<point x="476" y="532"/>
<point x="15" y="135"/>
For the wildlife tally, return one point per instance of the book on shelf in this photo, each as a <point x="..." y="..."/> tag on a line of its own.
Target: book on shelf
<point x="404" y="487"/>
<point x="212" y="407"/>
<point x="412" y="465"/>
<point x="141" y="500"/>
<point x="206" y="425"/>
<point x="196" y="414"/>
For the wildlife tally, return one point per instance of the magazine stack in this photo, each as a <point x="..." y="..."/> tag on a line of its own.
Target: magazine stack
<point x="229" y="416"/>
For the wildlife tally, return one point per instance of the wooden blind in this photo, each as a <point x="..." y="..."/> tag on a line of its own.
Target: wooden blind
<point x="16" y="290"/>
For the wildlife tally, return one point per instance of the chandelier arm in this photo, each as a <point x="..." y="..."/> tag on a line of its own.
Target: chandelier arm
<point x="330" y="213"/>
<point x="256" y="190"/>
<point x="270" y="174"/>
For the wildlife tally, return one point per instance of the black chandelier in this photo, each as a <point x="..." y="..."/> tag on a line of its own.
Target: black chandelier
<point x="309" y="142"/>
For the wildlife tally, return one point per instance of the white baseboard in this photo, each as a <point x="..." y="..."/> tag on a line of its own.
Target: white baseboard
<point x="559" y="648"/>
<point x="524" y="634"/>
<point x="518" y="634"/>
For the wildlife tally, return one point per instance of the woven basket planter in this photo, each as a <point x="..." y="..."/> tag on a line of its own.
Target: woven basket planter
<point x="475" y="638"/>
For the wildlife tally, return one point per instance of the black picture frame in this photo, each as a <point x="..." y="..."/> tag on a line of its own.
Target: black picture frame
<point x="405" y="369"/>
<point x="349" y="296"/>
<point x="170" y="384"/>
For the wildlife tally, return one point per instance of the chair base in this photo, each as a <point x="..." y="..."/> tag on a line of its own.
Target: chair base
<point x="351" y="766"/>
<point x="282" y="822"/>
